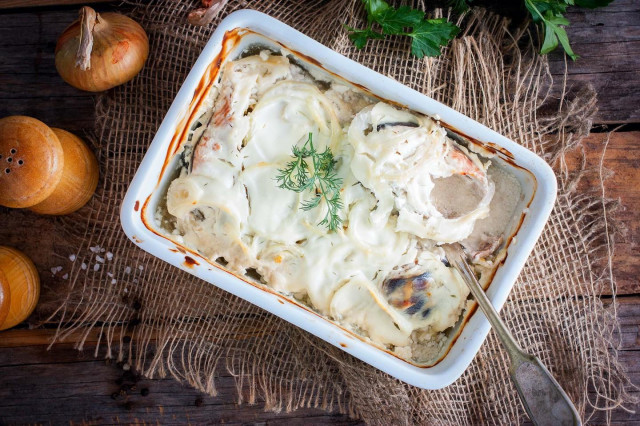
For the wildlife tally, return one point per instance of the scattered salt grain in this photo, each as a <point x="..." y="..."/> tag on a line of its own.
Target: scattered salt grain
<point x="109" y="274"/>
<point x="95" y="249"/>
<point x="126" y="290"/>
<point x="83" y="266"/>
<point x="141" y="267"/>
<point x="126" y="366"/>
<point x="65" y="276"/>
<point x="113" y="281"/>
<point x="72" y="257"/>
<point x="55" y="270"/>
<point x="127" y="270"/>
<point x="102" y="250"/>
<point x="135" y="281"/>
<point x="96" y="267"/>
<point x="109" y="255"/>
<point x="100" y="259"/>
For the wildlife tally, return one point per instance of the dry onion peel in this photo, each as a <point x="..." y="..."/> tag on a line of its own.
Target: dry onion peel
<point x="101" y="51"/>
<point x="205" y="15"/>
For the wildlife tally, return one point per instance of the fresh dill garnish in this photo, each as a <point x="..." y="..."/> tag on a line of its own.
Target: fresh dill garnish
<point x="314" y="171"/>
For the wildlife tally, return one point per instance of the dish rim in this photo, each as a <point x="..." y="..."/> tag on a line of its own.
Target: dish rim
<point x="473" y="333"/>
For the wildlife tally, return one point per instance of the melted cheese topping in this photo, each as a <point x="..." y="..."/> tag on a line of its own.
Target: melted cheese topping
<point x="227" y="203"/>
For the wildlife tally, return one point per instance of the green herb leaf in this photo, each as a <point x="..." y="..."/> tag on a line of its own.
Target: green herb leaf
<point x="394" y="21"/>
<point x="548" y="14"/>
<point x="318" y="177"/>
<point x="375" y="8"/>
<point x="360" y="37"/>
<point x="429" y="36"/>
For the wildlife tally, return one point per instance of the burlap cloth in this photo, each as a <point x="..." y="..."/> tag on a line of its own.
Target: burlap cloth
<point x="488" y="73"/>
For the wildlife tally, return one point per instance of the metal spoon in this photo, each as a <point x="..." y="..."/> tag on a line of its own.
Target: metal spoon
<point x="543" y="398"/>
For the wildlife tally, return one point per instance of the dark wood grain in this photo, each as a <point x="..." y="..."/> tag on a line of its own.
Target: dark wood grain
<point x="608" y="42"/>
<point x="77" y="387"/>
<point x="622" y="157"/>
<point x="29" y="82"/>
<point x="9" y="4"/>
<point x="63" y="386"/>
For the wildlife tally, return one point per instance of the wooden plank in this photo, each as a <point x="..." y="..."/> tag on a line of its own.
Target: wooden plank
<point x="608" y="42"/>
<point x="10" y="4"/>
<point x="29" y="82"/>
<point x="23" y="337"/>
<point x="64" y="385"/>
<point x="623" y="157"/>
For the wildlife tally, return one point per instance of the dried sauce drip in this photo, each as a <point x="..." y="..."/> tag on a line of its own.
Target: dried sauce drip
<point x="189" y="262"/>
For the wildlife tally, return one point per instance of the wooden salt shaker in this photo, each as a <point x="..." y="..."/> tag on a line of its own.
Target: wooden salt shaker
<point x="19" y="274"/>
<point x="49" y="171"/>
<point x="31" y="161"/>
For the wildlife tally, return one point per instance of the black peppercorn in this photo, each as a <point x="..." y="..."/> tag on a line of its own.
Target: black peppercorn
<point x="115" y="395"/>
<point x="126" y="339"/>
<point x="144" y="391"/>
<point x="137" y="305"/>
<point x="199" y="402"/>
<point x="128" y="406"/>
<point x="119" y="381"/>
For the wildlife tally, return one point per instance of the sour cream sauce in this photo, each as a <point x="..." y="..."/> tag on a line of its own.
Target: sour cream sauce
<point x="227" y="203"/>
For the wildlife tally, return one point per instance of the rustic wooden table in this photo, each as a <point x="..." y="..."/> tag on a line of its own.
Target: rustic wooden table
<point x="63" y="385"/>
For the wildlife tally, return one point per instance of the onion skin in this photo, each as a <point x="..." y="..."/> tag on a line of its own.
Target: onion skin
<point x="119" y="50"/>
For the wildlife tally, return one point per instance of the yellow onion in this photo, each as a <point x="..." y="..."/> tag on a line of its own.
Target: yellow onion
<point x="101" y="51"/>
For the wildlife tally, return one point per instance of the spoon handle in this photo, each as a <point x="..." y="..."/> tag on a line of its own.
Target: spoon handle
<point x="543" y="398"/>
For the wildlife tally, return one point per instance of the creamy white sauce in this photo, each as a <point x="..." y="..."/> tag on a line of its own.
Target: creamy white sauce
<point x="227" y="203"/>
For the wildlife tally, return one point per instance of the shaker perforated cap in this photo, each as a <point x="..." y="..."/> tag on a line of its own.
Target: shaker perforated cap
<point x="31" y="161"/>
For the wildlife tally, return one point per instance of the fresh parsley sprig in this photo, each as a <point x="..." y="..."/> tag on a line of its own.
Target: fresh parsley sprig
<point x="314" y="171"/>
<point x="548" y="15"/>
<point x="427" y="35"/>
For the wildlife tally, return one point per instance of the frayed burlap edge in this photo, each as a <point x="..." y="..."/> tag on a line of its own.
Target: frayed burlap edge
<point x="186" y="328"/>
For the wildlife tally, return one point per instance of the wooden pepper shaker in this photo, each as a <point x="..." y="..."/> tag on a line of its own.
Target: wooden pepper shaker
<point x="5" y="297"/>
<point x="21" y="278"/>
<point x="79" y="177"/>
<point x="49" y="171"/>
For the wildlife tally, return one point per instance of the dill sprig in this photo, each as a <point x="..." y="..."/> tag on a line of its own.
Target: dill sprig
<point x="314" y="171"/>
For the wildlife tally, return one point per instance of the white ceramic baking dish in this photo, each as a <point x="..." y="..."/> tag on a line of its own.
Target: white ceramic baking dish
<point x="244" y="28"/>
